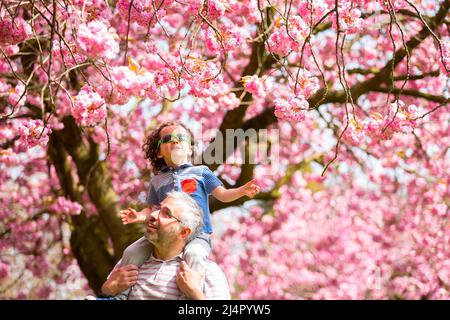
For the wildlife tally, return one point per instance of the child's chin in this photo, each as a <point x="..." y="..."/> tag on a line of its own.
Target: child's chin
<point x="178" y="158"/>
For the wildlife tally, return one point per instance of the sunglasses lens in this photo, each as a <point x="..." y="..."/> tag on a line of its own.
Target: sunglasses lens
<point x="180" y="137"/>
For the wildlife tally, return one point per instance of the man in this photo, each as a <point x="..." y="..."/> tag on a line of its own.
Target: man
<point x="165" y="275"/>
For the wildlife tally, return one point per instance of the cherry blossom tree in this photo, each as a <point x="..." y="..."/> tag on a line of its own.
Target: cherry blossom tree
<point x="356" y="205"/>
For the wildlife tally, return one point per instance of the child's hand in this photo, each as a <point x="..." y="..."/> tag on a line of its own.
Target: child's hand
<point x="250" y="189"/>
<point x="131" y="216"/>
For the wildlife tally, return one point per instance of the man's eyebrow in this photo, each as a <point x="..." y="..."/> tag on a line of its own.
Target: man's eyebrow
<point x="166" y="209"/>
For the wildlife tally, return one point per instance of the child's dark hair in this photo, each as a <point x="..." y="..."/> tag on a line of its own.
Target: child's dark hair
<point x="150" y="146"/>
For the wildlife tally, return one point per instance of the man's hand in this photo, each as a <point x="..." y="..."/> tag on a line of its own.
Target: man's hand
<point x="250" y="189"/>
<point x="131" y="216"/>
<point x="120" y="279"/>
<point x="189" y="281"/>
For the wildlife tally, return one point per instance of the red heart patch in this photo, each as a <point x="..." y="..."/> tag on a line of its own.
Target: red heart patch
<point x="189" y="185"/>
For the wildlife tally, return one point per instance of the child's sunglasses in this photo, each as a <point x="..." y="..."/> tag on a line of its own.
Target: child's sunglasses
<point x="180" y="137"/>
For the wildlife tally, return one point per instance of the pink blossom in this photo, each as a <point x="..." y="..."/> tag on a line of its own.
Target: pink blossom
<point x="298" y="30"/>
<point x="94" y="8"/>
<point x="255" y="86"/>
<point x="165" y="81"/>
<point x="96" y="40"/>
<point x="21" y="296"/>
<point x="292" y="109"/>
<point x="39" y="266"/>
<point x="4" y="86"/>
<point x="152" y="62"/>
<point x="89" y="107"/>
<point x="207" y="105"/>
<point x="4" y="270"/>
<point x="201" y="88"/>
<point x="306" y="84"/>
<point x="215" y="9"/>
<point x="99" y="134"/>
<point x="392" y="5"/>
<point x="65" y="206"/>
<point x="44" y="292"/>
<point x="8" y="157"/>
<point x="6" y="133"/>
<point x="203" y="77"/>
<point x="69" y="56"/>
<point x="34" y="100"/>
<point x="355" y="132"/>
<point x="134" y="81"/>
<point x="231" y="38"/>
<point x="33" y="133"/>
<point x="17" y="96"/>
<point x="445" y="67"/>
<point x="230" y="101"/>
<point x="399" y="119"/>
<point x="126" y="80"/>
<point x="247" y="9"/>
<point x="374" y="126"/>
<point x="318" y="8"/>
<point x="141" y="11"/>
<point x="349" y="20"/>
<point x="281" y="42"/>
<point x="402" y="117"/>
<point x="13" y="32"/>
<point x="11" y="49"/>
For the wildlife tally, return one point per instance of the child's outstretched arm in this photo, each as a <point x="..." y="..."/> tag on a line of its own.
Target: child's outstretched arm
<point x="132" y="216"/>
<point x="249" y="189"/>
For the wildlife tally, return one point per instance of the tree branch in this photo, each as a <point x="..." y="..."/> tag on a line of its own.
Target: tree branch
<point x="275" y="192"/>
<point x="267" y="117"/>
<point x="412" y="93"/>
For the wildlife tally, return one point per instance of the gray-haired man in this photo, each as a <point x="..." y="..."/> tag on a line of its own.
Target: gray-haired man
<point x="165" y="275"/>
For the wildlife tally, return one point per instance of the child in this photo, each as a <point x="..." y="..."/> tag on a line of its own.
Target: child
<point x="169" y="149"/>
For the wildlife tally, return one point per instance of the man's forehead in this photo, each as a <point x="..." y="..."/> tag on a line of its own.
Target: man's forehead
<point x="171" y="204"/>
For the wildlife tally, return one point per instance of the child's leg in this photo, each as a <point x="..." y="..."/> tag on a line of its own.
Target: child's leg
<point x="136" y="253"/>
<point x="196" y="252"/>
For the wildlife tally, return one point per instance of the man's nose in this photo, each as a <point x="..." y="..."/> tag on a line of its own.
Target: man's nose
<point x="154" y="215"/>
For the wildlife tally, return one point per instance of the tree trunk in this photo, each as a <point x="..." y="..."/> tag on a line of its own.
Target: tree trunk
<point x="91" y="236"/>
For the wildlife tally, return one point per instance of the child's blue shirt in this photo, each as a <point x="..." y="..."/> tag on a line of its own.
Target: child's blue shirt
<point x="197" y="181"/>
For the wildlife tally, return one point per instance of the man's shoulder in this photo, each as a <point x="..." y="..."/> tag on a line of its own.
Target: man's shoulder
<point x="213" y="268"/>
<point x="211" y="264"/>
<point x="216" y="284"/>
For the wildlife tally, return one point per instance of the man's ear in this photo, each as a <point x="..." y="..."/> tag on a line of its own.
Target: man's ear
<point x="185" y="233"/>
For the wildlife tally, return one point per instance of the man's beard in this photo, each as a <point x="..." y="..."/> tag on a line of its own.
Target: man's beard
<point x="160" y="239"/>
